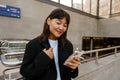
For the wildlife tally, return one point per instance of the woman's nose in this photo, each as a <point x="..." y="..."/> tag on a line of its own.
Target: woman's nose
<point x="61" y="27"/>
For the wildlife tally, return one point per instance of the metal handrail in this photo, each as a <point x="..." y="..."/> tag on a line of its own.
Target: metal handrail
<point x="12" y="57"/>
<point x="98" y="50"/>
<point x="7" y="48"/>
<point x="5" y="75"/>
<point x="11" y="49"/>
<point x="11" y="63"/>
<point x="13" y="41"/>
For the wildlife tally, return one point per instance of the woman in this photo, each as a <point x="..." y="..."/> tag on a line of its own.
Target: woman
<point x="46" y="57"/>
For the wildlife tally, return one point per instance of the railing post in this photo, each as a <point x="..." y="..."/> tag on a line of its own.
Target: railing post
<point x="115" y="52"/>
<point x="96" y="61"/>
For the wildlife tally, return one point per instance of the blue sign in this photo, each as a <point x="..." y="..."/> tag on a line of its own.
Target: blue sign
<point x="9" y="11"/>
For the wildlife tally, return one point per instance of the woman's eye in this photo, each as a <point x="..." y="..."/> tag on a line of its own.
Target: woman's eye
<point x="58" y="23"/>
<point x="65" y="25"/>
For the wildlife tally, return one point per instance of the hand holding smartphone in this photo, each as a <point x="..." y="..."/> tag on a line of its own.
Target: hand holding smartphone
<point x="74" y="60"/>
<point x="78" y="54"/>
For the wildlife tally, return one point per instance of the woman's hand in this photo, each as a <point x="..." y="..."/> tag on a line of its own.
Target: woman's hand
<point x="49" y="52"/>
<point x="72" y="62"/>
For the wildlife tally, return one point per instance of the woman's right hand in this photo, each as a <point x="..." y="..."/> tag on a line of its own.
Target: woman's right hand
<point x="72" y="62"/>
<point x="49" y="52"/>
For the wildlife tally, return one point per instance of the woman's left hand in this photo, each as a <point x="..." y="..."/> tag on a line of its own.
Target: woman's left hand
<point x="72" y="62"/>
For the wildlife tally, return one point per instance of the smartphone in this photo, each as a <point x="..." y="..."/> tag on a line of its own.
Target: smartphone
<point x="79" y="54"/>
<point x="76" y="53"/>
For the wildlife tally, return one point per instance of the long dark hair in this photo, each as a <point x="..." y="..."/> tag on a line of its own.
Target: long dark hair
<point x="59" y="14"/>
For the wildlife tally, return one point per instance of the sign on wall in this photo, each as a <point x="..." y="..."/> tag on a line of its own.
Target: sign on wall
<point x="10" y="11"/>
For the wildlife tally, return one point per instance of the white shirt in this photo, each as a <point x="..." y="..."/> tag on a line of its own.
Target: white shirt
<point x="54" y="45"/>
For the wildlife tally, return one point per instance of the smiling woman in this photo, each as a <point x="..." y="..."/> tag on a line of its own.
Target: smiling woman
<point x="45" y="56"/>
<point x="57" y="27"/>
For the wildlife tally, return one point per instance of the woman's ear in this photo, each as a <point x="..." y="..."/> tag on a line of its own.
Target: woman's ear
<point x="48" y="21"/>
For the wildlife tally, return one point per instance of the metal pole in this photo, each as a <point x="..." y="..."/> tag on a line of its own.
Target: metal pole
<point x="98" y="4"/>
<point x="115" y="52"/>
<point x="91" y="45"/>
<point x="110" y="14"/>
<point x="82" y="5"/>
<point x="71" y="3"/>
<point x="96" y="61"/>
<point x="90" y="6"/>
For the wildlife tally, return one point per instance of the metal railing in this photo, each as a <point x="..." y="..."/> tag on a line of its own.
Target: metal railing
<point x="11" y="56"/>
<point x="7" y="46"/>
<point x="115" y="48"/>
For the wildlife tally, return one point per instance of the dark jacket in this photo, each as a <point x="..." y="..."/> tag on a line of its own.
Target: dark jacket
<point x="38" y="66"/>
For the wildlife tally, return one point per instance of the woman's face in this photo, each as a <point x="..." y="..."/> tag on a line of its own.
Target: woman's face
<point x="57" y="27"/>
